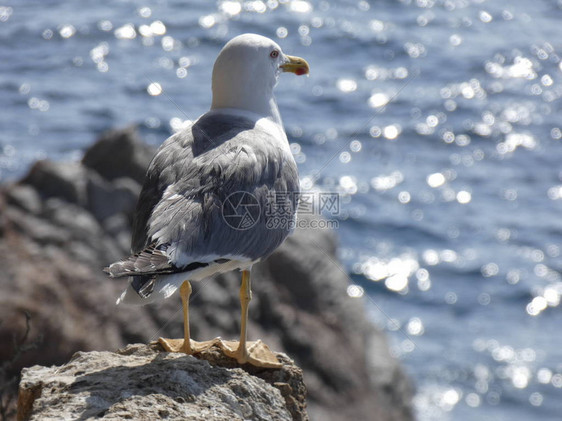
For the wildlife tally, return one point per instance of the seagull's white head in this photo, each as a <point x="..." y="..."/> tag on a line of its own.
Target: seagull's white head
<point x="246" y="71"/>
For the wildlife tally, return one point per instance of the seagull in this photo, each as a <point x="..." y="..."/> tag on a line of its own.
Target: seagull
<point x="219" y="195"/>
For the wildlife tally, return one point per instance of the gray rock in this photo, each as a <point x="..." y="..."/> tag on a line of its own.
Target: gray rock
<point x="142" y="383"/>
<point x="25" y="197"/>
<point x="36" y="228"/>
<point x="72" y="218"/>
<point x="119" y="228"/>
<point x="106" y="198"/>
<point x="119" y="153"/>
<point x="65" y="180"/>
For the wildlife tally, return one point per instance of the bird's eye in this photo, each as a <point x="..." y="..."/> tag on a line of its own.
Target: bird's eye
<point x="274" y="54"/>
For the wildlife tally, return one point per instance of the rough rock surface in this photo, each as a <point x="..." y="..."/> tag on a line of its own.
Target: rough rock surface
<point x="143" y="383"/>
<point x="64" y="222"/>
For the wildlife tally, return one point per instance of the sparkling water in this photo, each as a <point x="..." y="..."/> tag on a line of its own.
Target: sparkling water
<point x="437" y="121"/>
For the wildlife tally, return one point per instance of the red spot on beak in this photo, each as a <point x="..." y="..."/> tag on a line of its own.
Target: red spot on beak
<point x="301" y="71"/>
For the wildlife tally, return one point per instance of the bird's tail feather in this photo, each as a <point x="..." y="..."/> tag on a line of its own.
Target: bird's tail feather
<point x="150" y="261"/>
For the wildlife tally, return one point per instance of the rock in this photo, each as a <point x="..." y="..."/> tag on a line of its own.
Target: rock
<point x="25" y="197"/>
<point x="58" y="179"/>
<point x="141" y="382"/>
<point x="106" y="199"/>
<point x="329" y="332"/>
<point x="300" y="305"/>
<point x="36" y="228"/>
<point x="119" y="153"/>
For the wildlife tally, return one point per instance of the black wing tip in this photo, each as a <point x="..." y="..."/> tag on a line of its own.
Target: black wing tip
<point x="143" y="285"/>
<point x="151" y="262"/>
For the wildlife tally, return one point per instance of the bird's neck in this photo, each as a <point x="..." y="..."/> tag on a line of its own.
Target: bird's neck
<point x="244" y="99"/>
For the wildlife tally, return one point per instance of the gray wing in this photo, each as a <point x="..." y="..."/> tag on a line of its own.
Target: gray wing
<point x="171" y="166"/>
<point x="192" y="177"/>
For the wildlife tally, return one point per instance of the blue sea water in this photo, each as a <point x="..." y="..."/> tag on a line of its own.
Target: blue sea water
<point x="438" y="122"/>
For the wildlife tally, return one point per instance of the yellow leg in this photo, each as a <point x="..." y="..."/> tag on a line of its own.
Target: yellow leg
<point x="256" y="352"/>
<point x="187" y="345"/>
<point x="185" y="292"/>
<point x="245" y="298"/>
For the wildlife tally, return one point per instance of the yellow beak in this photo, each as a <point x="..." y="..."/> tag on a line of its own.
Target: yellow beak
<point x="296" y="65"/>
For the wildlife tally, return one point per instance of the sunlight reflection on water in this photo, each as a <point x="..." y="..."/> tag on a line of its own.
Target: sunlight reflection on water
<point x="436" y="121"/>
